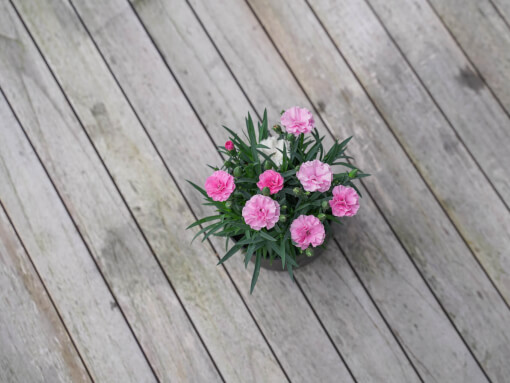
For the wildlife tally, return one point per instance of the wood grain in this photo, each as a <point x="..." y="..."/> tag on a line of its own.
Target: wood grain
<point x="35" y="345"/>
<point x="207" y="293"/>
<point x="141" y="289"/>
<point x="484" y="37"/>
<point x="403" y="102"/>
<point x="429" y="236"/>
<point x="475" y="113"/>
<point x="178" y="49"/>
<point x="157" y="100"/>
<point x="256" y="69"/>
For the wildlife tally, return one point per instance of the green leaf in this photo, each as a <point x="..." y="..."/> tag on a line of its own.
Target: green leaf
<point x="199" y="189"/>
<point x="203" y="220"/>
<point x="267" y="236"/>
<point x="285" y="161"/>
<point x="230" y="253"/>
<point x="251" y="249"/>
<point x="288" y="173"/>
<point x="255" y="272"/>
<point x="210" y="227"/>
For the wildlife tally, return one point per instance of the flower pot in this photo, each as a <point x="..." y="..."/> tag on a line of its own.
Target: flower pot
<point x="301" y="260"/>
<point x="276" y="264"/>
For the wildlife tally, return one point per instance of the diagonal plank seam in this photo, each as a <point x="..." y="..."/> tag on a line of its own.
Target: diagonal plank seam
<point x="376" y="204"/>
<point x="378" y="208"/>
<point x="498" y="11"/>
<point x="175" y="182"/>
<point x="436" y="103"/>
<point x="180" y="191"/>
<point x="212" y="141"/>
<point x="78" y="231"/>
<point x="450" y="32"/>
<point x="408" y="156"/>
<point x="296" y="279"/>
<point x="358" y="277"/>
<point x="37" y="271"/>
<point x="130" y="212"/>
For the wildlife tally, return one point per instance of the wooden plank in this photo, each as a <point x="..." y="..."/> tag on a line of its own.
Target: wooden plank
<point x="451" y="79"/>
<point x="163" y="215"/>
<point x="423" y="235"/>
<point x="289" y="322"/>
<point x="374" y="367"/>
<point x="83" y="300"/>
<point x="484" y="37"/>
<point x="35" y="346"/>
<point x="400" y="190"/>
<point x="167" y="23"/>
<point x="99" y="331"/>
<point x="141" y="289"/>
<point x="503" y="8"/>
<point x="422" y="130"/>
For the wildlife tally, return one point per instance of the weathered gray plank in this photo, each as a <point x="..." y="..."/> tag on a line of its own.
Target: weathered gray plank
<point x="98" y="329"/>
<point x="484" y="37"/>
<point x="179" y="37"/>
<point x="142" y="291"/>
<point x="474" y="112"/>
<point x="415" y="216"/>
<point x="162" y="214"/>
<point x="35" y="346"/>
<point x="503" y="7"/>
<point x="422" y="130"/>
<point x="156" y="98"/>
<point x="401" y="193"/>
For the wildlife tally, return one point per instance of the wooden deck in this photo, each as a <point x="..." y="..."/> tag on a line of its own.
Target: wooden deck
<point x="107" y="107"/>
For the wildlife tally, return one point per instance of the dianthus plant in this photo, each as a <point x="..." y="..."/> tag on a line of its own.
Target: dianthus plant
<point x="275" y="196"/>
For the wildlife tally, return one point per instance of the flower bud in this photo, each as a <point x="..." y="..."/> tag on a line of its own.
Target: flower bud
<point x="290" y="137"/>
<point x="229" y="145"/>
<point x="297" y="191"/>
<point x="322" y="216"/>
<point x="238" y="171"/>
<point x="268" y="165"/>
<point x="228" y="204"/>
<point x="309" y="252"/>
<point x="325" y="205"/>
<point x="266" y="191"/>
<point x="353" y="173"/>
<point x="283" y="218"/>
<point x="228" y="164"/>
<point x="277" y="129"/>
<point x="307" y="193"/>
<point x="284" y="207"/>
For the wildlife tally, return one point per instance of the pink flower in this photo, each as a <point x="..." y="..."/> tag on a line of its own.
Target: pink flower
<point x="271" y="179"/>
<point x="345" y="201"/>
<point x="307" y="230"/>
<point x="229" y="145"/>
<point x="261" y="211"/>
<point x="219" y="185"/>
<point x="297" y="120"/>
<point x="315" y="176"/>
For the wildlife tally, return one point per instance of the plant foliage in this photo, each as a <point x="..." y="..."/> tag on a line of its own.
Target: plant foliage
<point x="246" y="162"/>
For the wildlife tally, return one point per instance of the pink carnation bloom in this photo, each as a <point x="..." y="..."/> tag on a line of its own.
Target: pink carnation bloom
<point x="307" y="230"/>
<point x="219" y="185"/>
<point x="345" y="201"/>
<point x="261" y="211"/>
<point x="271" y="179"/>
<point x="229" y="145"/>
<point x="315" y="176"/>
<point x="297" y="120"/>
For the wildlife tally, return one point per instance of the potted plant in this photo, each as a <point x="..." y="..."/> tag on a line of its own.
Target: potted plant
<point x="276" y="195"/>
